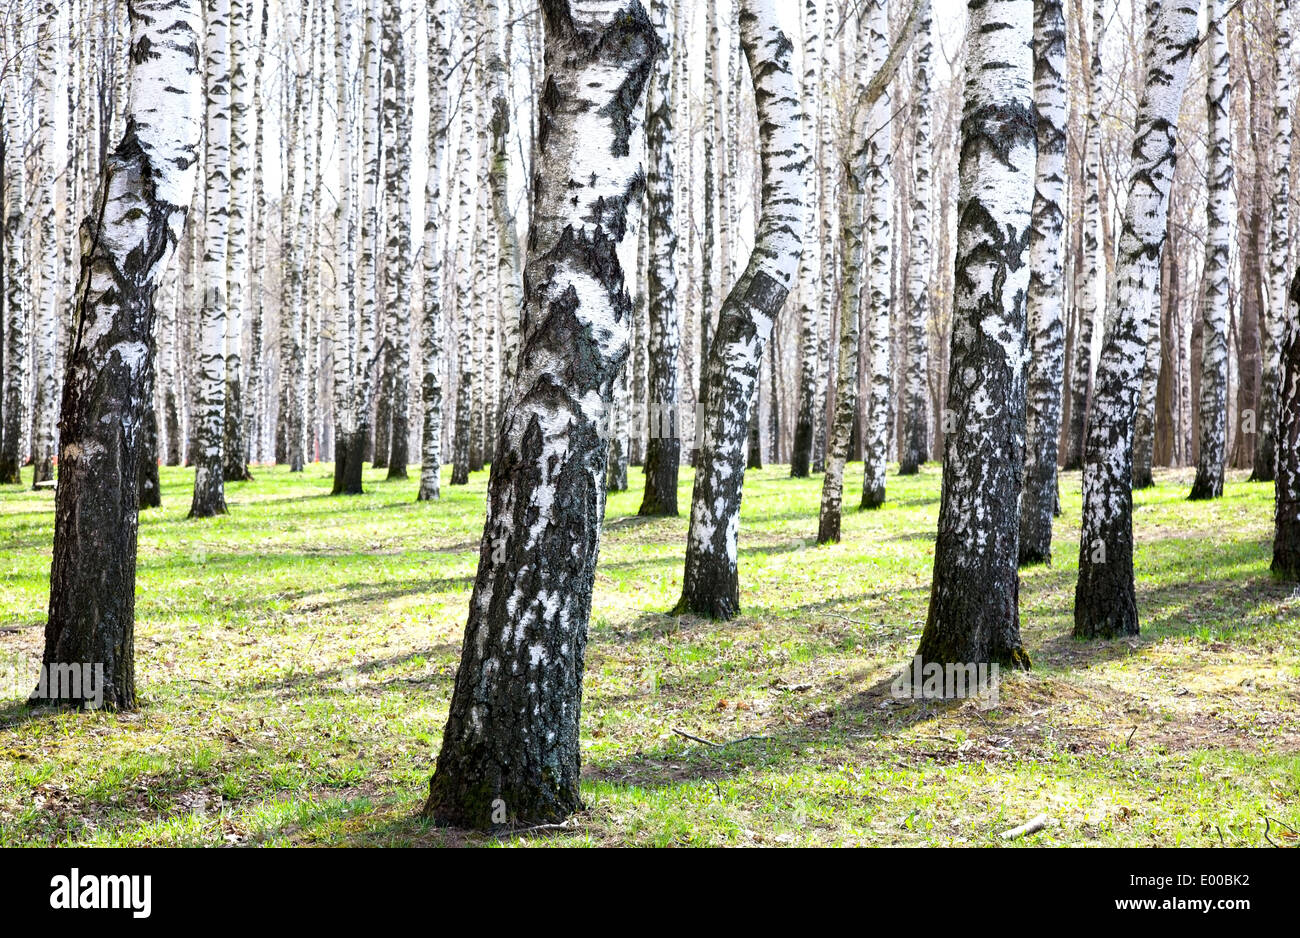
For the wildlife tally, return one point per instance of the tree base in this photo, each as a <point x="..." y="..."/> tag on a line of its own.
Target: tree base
<point x="828" y="528"/>
<point x="1206" y="487"/>
<point x="1143" y="480"/>
<point x="1032" y="555"/>
<point x="237" y="474"/>
<point x="1286" y="563"/>
<point x="10" y="472"/>
<point x="872" y="498"/>
<point x="482" y="806"/>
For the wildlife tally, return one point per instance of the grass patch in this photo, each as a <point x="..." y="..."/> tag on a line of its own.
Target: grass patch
<point x="296" y="658"/>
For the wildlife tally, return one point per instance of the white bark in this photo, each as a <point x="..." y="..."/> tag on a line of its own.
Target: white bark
<point x="711" y="586"/>
<point x="209" y="484"/>
<point x="1220" y="218"/>
<point x="1105" y="599"/>
<point x="974" y="602"/>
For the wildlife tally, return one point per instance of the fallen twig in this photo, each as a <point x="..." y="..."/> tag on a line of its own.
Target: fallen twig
<point x="1032" y="826"/>
<point x="709" y="742"/>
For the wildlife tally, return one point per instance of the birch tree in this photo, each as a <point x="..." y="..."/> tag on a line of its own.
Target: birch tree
<point x="1279" y="244"/>
<point x="209" y="481"/>
<point x="397" y="182"/>
<point x="916" y="420"/>
<point x="1220" y="211"/>
<point x="1081" y="386"/>
<point x="16" y="307"/>
<point x="711" y="585"/>
<point x="47" y="300"/>
<point x="345" y="242"/>
<point x="235" y="446"/>
<point x="853" y="191"/>
<point x="144" y="194"/>
<point x="663" y="449"/>
<point x="1046" y="300"/>
<point x="511" y="740"/>
<point x="439" y="56"/>
<point x="974" y="601"/>
<point x="1105" y="601"/>
<point x="880" y="182"/>
<point x="810" y="274"/>
<point x="1286" y="538"/>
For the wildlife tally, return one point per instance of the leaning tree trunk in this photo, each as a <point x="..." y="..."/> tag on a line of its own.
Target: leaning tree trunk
<point x="1279" y="241"/>
<point x="1046" y="314"/>
<point x="1105" y="601"/>
<point x="916" y="420"/>
<point x="209" y="479"/>
<point x="1220" y="210"/>
<point x="134" y="228"/>
<point x="510" y="748"/>
<point x="871" y="49"/>
<point x="711" y="584"/>
<point x="1081" y="385"/>
<point x="1286" y="538"/>
<point x="975" y="600"/>
<point x="880" y="184"/>
<point x="431" y="334"/>
<point x="664" y="446"/>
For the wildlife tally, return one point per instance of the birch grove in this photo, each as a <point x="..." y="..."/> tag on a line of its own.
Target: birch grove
<point x="1023" y="269"/>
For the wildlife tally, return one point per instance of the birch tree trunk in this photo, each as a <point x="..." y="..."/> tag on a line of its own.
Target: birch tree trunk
<point x="397" y="173"/>
<point x="1286" y="538"/>
<point x="880" y="182"/>
<point x="510" y="748"/>
<point x="1144" y="421"/>
<point x="852" y="211"/>
<point x="344" y="328"/>
<point x="1279" y="243"/>
<point x="1046" y="301"/>
<point x="509" y="256"/>
<point x="209" y="480"/>
<point x="235" y="448"/>
<point x="466" y="236"/>
<point x="663" y="448"/>
<point x="711" y="585"/>
<point x="439" y="57"/>
<point x="1081" y="385"/>
<point x="1220" y="211"/>
<point x="1105" y="601"/>
<point x="16" y="307"/>
<point x="47" y="300"/>
<point x="368" y="265"/>
<point x="810" y="262"/>
<point x="974" y="603"/>
<point x="916" y="421"/>
<point x="129" y="239"/>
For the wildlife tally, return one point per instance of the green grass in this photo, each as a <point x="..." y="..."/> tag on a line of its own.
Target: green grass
<point x="296" y="657"/>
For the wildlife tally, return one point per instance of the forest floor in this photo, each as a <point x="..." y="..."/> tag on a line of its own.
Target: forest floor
<point x="296" y="658"/>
